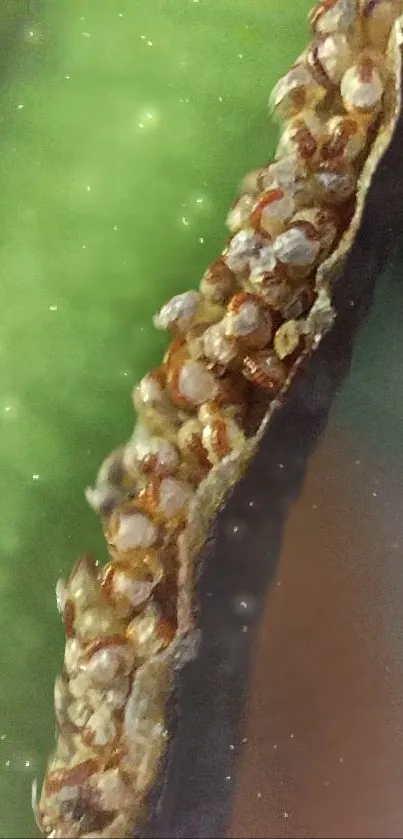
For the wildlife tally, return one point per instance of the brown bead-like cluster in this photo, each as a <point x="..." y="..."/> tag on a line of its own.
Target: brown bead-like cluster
<point x="234" y="343"/>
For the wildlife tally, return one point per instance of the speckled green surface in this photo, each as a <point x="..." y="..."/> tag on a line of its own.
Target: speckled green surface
<point x="125" y="127"/>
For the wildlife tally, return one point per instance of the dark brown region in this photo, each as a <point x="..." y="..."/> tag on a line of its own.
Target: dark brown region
<point x="324" y="750"/>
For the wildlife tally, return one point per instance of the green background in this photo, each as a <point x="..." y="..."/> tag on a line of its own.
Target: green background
<point x="125" y="127"/>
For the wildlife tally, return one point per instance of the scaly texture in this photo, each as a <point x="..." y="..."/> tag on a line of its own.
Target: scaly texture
<point x="261" y="309"/>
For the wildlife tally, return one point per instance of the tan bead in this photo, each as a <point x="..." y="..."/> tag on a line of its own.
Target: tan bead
<point x="272" y="212"/>
<point x="239" y="214"/>
<point x="264" y="370"/>
<point x="378" y="18"/>
<point x="248" y="321"/>
<point x="129" y="584"/>
<point x="287" y="339"/>
<point x="218" y="282"/>
<point x="149" y="632"/>
<point x="191" y="446"/>
<point x="345" y="138"/>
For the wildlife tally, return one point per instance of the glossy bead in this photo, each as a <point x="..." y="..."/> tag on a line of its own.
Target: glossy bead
<point x="288" y="173"/>
<point x="166" y="498"/>
<point x="264" y="370"/>
<point x="324" y="222"/>
<point x="345" y="138"/>
<point x="295" y="91"/>
<point x="330" y="16"/>
<point x="328" y="58"/>
<point x="190" y="384"/>
<point x="217" y="347"/>
<point x="153" y="454"/>
<point x="335" y="181"/>
<point x="131" y="530"/>
<point x="241" y="248"/>
<point x="179" y="313"/>
<point x="248" y="321"/>
<point x="298" y="247"/>
<point x="221" y="435"/>
<point x="272" y="212"/>
<point x="362" y="86"/>
<point x="300" y="136"/>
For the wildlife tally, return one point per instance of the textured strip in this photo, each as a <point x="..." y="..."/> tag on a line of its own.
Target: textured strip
<point x="262" y="308"/>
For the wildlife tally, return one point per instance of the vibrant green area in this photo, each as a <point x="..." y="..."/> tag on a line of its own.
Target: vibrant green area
<point x="125" y="127"/>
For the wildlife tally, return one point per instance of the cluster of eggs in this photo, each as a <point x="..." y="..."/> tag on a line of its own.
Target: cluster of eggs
<point x="233" y="339"/>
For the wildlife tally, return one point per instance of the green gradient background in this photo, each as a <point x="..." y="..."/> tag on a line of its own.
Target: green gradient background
<point x="125" y="128"/>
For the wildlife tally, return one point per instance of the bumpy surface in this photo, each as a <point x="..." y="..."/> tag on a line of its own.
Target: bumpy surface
<point x="237" y="342"/>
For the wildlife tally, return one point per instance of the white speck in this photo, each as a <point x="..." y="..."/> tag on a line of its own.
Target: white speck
<point x="20" y="107"/>
<point x="357" y="462"/>
<point x="27" y="763"/>
<point x="150" y="44"/>
<point x="375" y="494"/>
<point x="115" y="227"/>
<point x="286" y="815"/>
<point x="232" y="747"/>
<point x="84" y="247"/>
<point x="292" y="736"/>
<point x="244" y="740"/>
<point x="314" y="506"/>
<point x="185" y="221"/>
<point x="120" y="14"/>
<point x="228" y="777"/>
<point x="86" y="34"/>
<point x="278" y="582"/>
<point x="7" y="763"/>
<point x="199" y="200"/>
<point x="240" y="55"/>
<point x="274" y="745"/>
<point x="220" y="99"/>
<point x="143" y="37"/>
<point x="141" y="124"/>
<point x="35" y="477"/>
<point x="341" y="759"/>
<point x="258" y="795"/>
<point x="244" y="628"/>
<point x="53" y="308"/>
<point x="88" y="188"/>
<point x="7" y="409"/>
<point x="67" y="77"/>
<point x="3" y="736"/>
<point x="201" y="240"/>
<point x="281" y="466"/>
